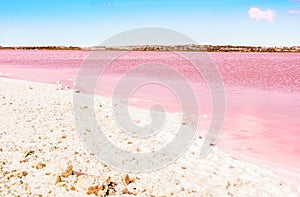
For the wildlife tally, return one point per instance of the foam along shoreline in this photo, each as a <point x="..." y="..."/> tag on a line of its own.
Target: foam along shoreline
<point x="41" y="154"/>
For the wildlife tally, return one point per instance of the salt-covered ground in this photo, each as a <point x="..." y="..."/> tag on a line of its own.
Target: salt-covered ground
<point x="41" y="155"/>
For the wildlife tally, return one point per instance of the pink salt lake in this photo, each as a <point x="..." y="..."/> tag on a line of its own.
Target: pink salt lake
<point x="262" y="94"/>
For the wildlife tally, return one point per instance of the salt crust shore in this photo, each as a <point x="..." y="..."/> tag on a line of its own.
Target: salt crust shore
<point x="42" y="155"/>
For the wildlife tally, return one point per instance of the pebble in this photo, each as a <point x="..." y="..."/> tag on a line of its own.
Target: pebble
<point x="127" y="180"/>
<point x="67" y="170"/>
<point x="54" y="179"/>
<point x="40" y="165"/>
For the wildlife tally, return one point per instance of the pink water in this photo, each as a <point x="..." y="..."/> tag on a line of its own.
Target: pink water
<point x="262" y="94"/>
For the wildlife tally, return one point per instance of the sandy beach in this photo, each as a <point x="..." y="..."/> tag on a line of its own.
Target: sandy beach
<point x="41" y="154"/>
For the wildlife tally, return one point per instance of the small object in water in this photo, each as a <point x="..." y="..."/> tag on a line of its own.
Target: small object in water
<point x="4" y="74"/>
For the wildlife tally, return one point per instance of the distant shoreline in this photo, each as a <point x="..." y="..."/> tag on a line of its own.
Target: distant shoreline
<point x="182" y="48"/>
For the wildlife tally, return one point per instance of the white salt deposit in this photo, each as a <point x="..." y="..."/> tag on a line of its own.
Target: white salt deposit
<point x="41" y="154"/>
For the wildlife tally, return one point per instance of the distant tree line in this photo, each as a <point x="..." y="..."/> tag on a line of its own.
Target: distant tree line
<point x="191" y="48"/>
<point x="41" y="48"/>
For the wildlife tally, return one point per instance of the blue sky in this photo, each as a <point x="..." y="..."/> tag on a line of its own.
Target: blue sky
<point x="89" y="22"/>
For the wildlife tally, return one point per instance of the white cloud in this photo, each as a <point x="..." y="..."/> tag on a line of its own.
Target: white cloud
<point x="294" y="11"/>
<point x="258" y="14"/>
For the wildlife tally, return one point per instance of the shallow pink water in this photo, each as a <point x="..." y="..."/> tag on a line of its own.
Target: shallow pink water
<point x="262" y="93"/>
